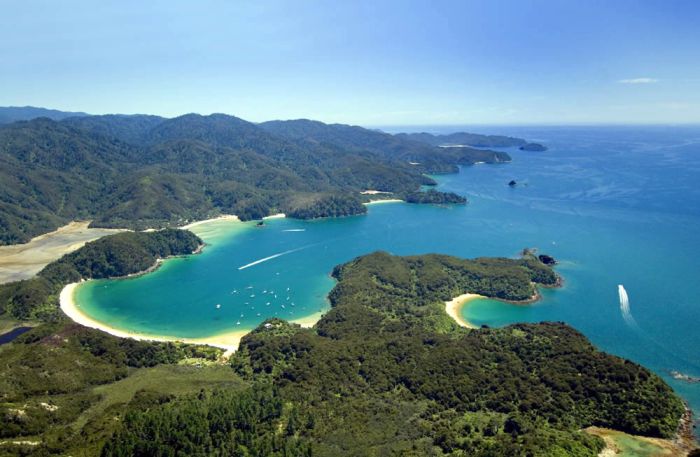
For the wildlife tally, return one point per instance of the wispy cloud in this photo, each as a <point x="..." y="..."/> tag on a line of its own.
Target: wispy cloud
<point x="638" y="81"/>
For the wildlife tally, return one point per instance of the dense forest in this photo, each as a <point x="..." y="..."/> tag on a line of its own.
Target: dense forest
<point x="108" y="257"/>
<point x="384" y="372"/>
<point x="146" y="171"/>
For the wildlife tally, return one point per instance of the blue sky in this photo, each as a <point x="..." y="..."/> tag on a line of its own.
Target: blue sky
<point x="362" y="62"/>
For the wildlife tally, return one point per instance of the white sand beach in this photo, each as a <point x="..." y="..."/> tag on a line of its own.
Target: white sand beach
<point x="223" y="217"/>
<point x="275" y="216"/>
<point x="454" y="309"/>
<point x="374" y="192"/>
<point x="387" y="200"/>
<point x="23" y="261"/>
<point x="309" y="321"/>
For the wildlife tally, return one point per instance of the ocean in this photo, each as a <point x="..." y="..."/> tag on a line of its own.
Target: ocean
<point x="614" y="205"/>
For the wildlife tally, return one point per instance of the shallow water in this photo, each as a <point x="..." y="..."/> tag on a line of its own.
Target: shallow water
<point x="613" y="205"/>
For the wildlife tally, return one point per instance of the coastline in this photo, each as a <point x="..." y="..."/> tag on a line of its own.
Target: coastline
<point x="454" y="307"/>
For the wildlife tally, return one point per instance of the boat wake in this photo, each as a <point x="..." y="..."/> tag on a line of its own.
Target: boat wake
<point x="294" y="230"/>
<point x="625" y="307"/>
<point x="274" y="256"/>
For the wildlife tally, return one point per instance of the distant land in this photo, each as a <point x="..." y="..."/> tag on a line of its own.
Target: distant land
<point x="143" y="171"/>
<point x="533" y="147"/>
<point x="9" y="114"/>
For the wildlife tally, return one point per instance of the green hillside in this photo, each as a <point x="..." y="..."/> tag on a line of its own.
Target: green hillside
<point x="145" y="171"/>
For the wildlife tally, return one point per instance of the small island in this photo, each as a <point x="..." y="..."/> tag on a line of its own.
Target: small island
<point x="533" y="147"/>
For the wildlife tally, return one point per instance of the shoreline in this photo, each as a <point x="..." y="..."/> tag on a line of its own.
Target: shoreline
<point x="454" y="307"/>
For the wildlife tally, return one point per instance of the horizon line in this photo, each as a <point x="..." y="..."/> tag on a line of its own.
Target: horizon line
<point x="394" y="125"/>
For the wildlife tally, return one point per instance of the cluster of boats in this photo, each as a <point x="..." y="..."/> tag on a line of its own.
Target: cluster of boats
<point x="271" y="295"/>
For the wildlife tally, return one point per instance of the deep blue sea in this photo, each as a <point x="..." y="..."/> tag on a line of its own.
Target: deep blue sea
<point x="615" y="205"/>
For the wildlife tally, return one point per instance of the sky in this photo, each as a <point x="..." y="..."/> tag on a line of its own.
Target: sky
<point x="361" y="62"/>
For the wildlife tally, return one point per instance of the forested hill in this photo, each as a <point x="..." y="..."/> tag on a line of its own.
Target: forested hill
<point x="146" y="171"/>
<point x="386" y="372"/>
<point x="425" y="158"/>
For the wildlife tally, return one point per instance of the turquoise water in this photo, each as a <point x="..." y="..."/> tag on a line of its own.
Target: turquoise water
<point x="614" y="205"/>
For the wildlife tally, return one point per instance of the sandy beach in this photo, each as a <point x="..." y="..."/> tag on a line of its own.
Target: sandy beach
<point x="309" y="321"/>
<point x="23" y="261"/>
<point x="387" y="200"/>
<point x="223" y="217"/>
<point x="454" y="309"/>
<point x="374" y="192"/>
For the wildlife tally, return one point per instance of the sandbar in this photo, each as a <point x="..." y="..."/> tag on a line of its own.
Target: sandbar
<point x="23" y="261"/>
<point x="454" y="309"/>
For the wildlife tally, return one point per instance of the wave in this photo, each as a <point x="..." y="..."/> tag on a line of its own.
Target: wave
<point x="625" y="307"/>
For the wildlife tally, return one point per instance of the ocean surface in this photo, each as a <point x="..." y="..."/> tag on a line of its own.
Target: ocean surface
<point x="615" y="205"/>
